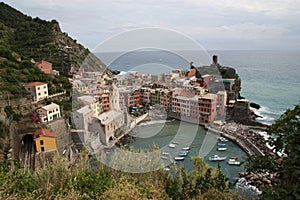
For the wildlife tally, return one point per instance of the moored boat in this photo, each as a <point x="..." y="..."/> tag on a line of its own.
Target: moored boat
<point x="222" y="144"/>
<point x="186" y="148"/>
<point x="179" y="158"/>
<point x="171" y="145"/>
<point x="222" y="139"/>
<point x="222" y="149"/>
<point x="167" y="169"/>
<point x="164" y="157"/>
<point x="183" y="153"/>
<point x="165" y="153"/>
<point x="233" y="161"/>
<point x="217" y="158"/>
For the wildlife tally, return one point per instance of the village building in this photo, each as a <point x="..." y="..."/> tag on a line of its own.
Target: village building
<point x="49" y="112"/>
<point x="46" y="67"/>
<point x="39" y="90"/>
<point x="45" y="140"/>
<point x="92" y="102"/>
<point x="111" y="123"/>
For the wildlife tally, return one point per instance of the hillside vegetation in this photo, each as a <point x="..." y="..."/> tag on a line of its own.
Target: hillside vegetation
<point x="24" y="39"/>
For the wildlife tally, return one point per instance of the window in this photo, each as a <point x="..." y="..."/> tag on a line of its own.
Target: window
<point x="45" y="92"/>
<point x="42" y="148"/>
<point x="41" y="142"/>
<point x="45" y="86"/>
<point x="39" y="94"/>
<point x="38" y="88"/>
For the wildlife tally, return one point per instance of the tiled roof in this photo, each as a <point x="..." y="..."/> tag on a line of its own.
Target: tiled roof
<point x="50" y="106"/>
<point x="33" y="84"/>
<point x="43" y="132"/>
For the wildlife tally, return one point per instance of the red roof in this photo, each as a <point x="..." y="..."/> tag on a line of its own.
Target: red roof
<point x="33" y="84"/>
<point x="43" y="132"/>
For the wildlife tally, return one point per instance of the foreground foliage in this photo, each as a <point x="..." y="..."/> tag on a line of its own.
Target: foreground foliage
<point x="60" y="180"/>
<point x="285" y="139"/>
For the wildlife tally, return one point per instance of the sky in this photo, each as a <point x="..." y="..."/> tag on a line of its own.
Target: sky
<point x="215" y="24"/>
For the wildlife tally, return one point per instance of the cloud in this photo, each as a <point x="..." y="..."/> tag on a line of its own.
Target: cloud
<point x="208" y="20"/>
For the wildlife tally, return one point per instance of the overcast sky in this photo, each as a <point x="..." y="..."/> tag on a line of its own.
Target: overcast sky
<point x="215" y="24"/>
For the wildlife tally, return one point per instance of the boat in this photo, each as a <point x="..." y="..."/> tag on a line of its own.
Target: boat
<point x="222" y="139"/>
<point x="171" y="145"/>
<point x="217" y="158"/>
<point x="179" y="158"/>
<point x="164" y="157"/>
<point x="222" y="149"/>
<point x="233" y="161"/>
<point x="167" y="169"/>
<point x="186" y="148"/>
<point x="222" y="144"/>
<point x="165" y="153"/>
<point x="175" y="142"/>
<point x="183" y="153"/>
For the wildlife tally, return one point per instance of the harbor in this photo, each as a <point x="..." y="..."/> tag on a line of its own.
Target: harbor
<point x="200" y="144"/>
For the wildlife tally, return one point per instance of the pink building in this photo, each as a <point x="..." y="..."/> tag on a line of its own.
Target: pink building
<point x="201" y="107"/>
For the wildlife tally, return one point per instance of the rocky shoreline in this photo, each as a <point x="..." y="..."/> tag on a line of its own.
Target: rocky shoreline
<point x="261" y="180"/>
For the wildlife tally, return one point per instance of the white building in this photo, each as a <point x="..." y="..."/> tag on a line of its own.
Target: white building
<point x="92" y="102"/>
<point x="111" y="122"/>
<point x="49" y="112"/>
<point x="39" y="90"/>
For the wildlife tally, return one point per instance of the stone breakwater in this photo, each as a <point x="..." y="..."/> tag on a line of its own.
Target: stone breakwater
<point x="261" y="180"/>
<point x="253" y="143"/>
<point x="247" y="137"/>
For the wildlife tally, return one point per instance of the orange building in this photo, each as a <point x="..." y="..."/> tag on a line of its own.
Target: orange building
<point x="45" y="141"/>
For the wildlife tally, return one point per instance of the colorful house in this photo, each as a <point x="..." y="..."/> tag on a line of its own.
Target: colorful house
<point x="49" y="112"/>
<point x="39" y="90"/>
<point x="45" y="141"/>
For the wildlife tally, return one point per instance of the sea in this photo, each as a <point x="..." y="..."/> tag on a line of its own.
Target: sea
<point x="269" y="78"/>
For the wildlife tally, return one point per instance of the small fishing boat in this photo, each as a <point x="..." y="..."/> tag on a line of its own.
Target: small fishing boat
<point x="222" y="149"/>
<point x="171" y="145"/>
<point x="164" y="157"/>
<point x="186" y="148"/>
<point x="222" y="139"/>
<point x="165" y="153"/>
<point x="179" y="158"/>
<point x="167" y="169"/>
<point x="183" y="153"/>
<point x="222" y="144"/>
<point x="217" y="158"/>
<point x="233" y="161"/>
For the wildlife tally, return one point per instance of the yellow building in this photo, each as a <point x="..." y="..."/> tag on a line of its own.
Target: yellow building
<point x="45" y="141"/>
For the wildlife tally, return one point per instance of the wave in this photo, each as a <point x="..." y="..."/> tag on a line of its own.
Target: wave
<point x="268" y="110"/>
<point x="267" y="115"/>
<point x="122" y="73"/>
<point x="246" y="188"/>
<point x="155" y="122"/>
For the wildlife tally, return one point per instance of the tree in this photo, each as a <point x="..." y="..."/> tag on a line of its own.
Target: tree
<point x="286" y="137"/>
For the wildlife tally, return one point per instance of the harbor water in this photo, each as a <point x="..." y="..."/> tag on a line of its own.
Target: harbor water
<point x="202" y="143"/>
